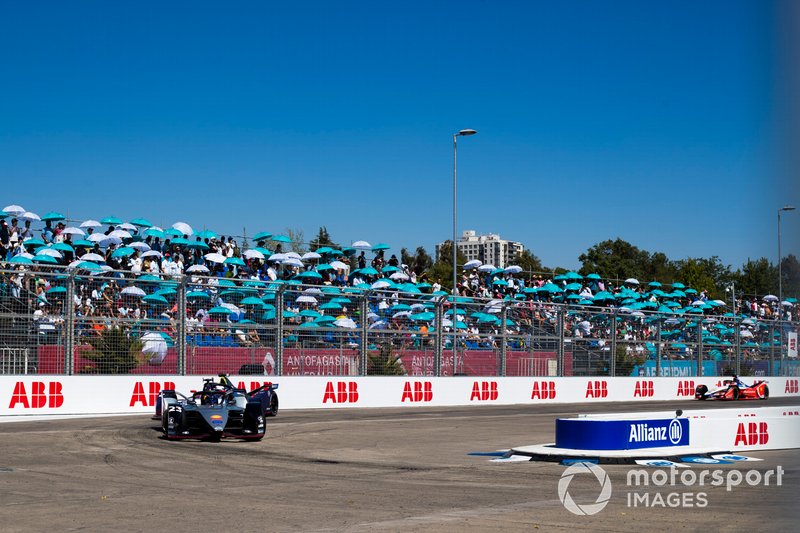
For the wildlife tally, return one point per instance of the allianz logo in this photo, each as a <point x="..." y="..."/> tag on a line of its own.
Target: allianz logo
<point x="644" y="432"/>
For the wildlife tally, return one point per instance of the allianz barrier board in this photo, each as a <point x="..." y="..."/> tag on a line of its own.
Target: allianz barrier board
<point x="592" y="434"/>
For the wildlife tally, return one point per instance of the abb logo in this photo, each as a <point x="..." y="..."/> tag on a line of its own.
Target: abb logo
<point x="342" y="392"/>
<point x="543" y="390"/>
<point x="740" y="415"/>
<point x="751" y="433"/>
<point x="644" y="389"/>
<point x="792" y="386"/>
<point x="42" y="395"/>
<point x="791" y="413"/>
<point x="686" y="388"/>
<point x="597" y="389"/>
<point x="148" y="399"/>
<point x="253" y="385"/>
<point x="417" y="391"/>
<point x="483" y="391"/>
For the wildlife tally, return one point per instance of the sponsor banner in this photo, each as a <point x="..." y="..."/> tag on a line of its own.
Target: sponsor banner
<point x="791" y="340"/>
<point x="71" y="395"/>
<point x="594" y="434"/>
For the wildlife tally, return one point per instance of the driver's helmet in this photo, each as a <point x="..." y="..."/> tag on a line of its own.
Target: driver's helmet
<point x="223" y="378"/>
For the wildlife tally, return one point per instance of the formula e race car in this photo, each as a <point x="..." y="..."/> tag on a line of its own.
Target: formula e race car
<point x="218" y="411"/>
<point x="272" y="407"/>
<point x="733" y="389"/>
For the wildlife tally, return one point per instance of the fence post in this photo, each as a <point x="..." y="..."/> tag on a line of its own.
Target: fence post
<point x="363" y="308"/>
<point x="503" y="339"/>
<point x="69" y="326"/>
<point x="560" y="346"/>
<point x="737" y="365"/>
<point x="658" y="348"/>
<point x="771" y="369"/>
<point x="612" y="360"/>
<point x="438" y="341"/>
<point x="700" y="348"/>
<point x="279" y="334"/>
<point x="182" y="326"/>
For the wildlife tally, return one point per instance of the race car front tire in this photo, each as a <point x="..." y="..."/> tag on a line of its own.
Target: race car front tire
<point x="764" y="395"/>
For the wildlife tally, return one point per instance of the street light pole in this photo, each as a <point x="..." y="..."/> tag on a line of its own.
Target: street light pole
<point x="780" y="267"/>
<point x="453" y="318"/>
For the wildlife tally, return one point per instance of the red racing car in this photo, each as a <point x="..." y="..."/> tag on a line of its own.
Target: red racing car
<point x="733" y="389"/>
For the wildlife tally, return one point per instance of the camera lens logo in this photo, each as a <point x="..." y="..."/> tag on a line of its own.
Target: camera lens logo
<point x="675" y="431"/>
<point x="590" y="508"/>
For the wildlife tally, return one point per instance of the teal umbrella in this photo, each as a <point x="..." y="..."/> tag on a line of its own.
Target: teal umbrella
<point x="499" y="281"/>
<point x="111" y="221"/>
<point x="45" y="259"/>
<point x="153" y="232"/>
<point x="424" y="317"/>
<point x="172" y="232"/>
<point x="268" y="315"/>
<point x="550" y="287"/>
<point x="149" y="277"/>
<point x="309" y="313"/>
<point x="309" y="274"/>
<point x="252" y="300"/>
<point x="206" y="234"/>
<point x="56" y="290"/>
<point x="33" y="242"/>
<point x="330" y="305"/>
<point x="369" y="271"/>
<point x="389" y="268"/>
<point x="324" y="319"/>
<point x="155" y="299"/>
<point x="125" y="251"/>
<point x="654" y="284"/>
<point x="309" y="325"/>
<point x="198" y="245"/>
<point x="323" y="267"/>
<point x="380" y="246"/>
<point x="593" y="276"/>
<point x="219" y="310"/>
<point x="141" y="222"/>
<point x="678" y="285"/>
<point x="281" y="238"/>
<point x="573" y="287"/>
<point x="63" y="247"/>
<point x="53" y="216"/>
<point x="262" y="236"/>
<point x="324" y="250"/>
<point x="20" y="260"/>
<point x="341" y="300"/>
<point x="198" y="294"/>
<point x="225" y="283"/>
<point x="180" y="241"/>
<point x="234" y="261"/>
<point x="83" y="244"/>
<point x="572" y="276"/>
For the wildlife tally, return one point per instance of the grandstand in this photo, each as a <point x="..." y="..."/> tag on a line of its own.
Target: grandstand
<point x="194" y="302"/>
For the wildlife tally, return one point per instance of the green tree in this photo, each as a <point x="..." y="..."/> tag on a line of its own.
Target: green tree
<point x="707" y="274"/>
<point x="113" y="351"/>
<point x="616" y="259"/>
<point x="323" y="238"/>
<point x="384" y="362"/>
<point x="442" y="269"/>
<point x="528" y="262"/>
<point x="757" y="277"/>
<point x="790" y="267"/>
<point x="298" y="240"/>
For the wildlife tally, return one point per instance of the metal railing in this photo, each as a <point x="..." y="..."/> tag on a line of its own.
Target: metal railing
<point x="120" y="323"/>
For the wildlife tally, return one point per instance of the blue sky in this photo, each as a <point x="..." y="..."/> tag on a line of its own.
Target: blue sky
<point x="656" y="122"/>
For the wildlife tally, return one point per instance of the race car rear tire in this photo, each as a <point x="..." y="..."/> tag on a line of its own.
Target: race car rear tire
<point x="700" y="392"/>
<point x="765" y="394"/>
<point x="735" y="394"/>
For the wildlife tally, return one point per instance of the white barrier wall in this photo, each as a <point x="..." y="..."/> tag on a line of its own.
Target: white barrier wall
<point x="76" y="395"/>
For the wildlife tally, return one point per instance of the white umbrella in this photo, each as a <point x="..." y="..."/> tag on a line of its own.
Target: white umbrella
<point x="151" y="253"/>
<point x="312" y="290"/>
<point x="380" y="284"/>
<point x="120" y="234"/>
<point x="97" y="237"/>
<point x="292" y="261"/>
<point x="14" y="210"/>
<point x="133" y="291"/>
<point x="698" y="302"/>
<point x="632" y="281"/>
<point x="73" y="231"/>
<point x="309" y="256"/>
<point x="27" y="215"/>
<point x="746" y="333"/>
<point x="399" y="276"/>
<point x="787" y="303"/>
<point x="513" y="269"/>
<point x="96" y="258"/>
<point x="215" y="257"/>
<point x="183" y="227"/>
<point x="141" y="246"/>
<point x="417" y="307"/>
<point x="127" y="226"/>
<point x="361" y="245"/>
<point x="306" y="299"/>
<point x="50" y="252"/>
<point x="293" y="255"/>
<point x="277" y="257"/>
<point x="487" y="268"/>
<point x="402" y="314"/>
<point x="348" y="323"/>
<point x="253" y="254"/>
<point x="338" y="265"/>
<point x="473" y="264"/>
<point x="154" y="345"/>
<point x="770" y="298"/>
<point x="90" y="224"/>
<point x="198" y="268"/>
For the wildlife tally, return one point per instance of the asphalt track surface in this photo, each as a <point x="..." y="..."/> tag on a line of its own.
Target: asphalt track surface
<point x="350" y="470"/>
